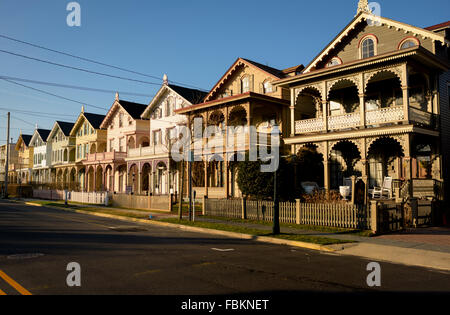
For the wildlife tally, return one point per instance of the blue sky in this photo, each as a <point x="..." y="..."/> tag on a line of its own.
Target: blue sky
<point x="193" y="41"/>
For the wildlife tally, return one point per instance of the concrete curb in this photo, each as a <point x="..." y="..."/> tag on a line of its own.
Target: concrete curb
<point x="263" y="239"/>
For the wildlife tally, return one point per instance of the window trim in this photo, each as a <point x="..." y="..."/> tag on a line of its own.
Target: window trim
<point x="334" y="58"/>
<point x="245" y="77"/>
<point x="409" y="38"/>
<point x="375" y="45"/>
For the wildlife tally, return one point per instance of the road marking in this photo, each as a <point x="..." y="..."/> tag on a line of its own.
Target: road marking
<point x="14" y="284"/>
<point x="146" y="272"/>
<point x="223" y="250"/>
<point x="2" y="293"/>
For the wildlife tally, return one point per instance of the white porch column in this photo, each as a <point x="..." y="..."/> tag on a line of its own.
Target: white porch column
<point x="325" y="114"/>
<point x="292" y="108"/>
<point x="362" y="108"/>
<point x="405" y="90"/>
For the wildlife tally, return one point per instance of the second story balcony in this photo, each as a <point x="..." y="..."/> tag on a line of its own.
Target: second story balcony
<point x="383" y="100"/>
<point x="153" y="150"/>
<point x="106" y="157"/>
<point x="372" y="118"/>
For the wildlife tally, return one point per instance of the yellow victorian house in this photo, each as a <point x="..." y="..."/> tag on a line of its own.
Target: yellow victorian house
<point x="244" y="97"/>
<point x="25" y="159"/>
<point x="89" y="139"/>
<point x="62" y="156"/>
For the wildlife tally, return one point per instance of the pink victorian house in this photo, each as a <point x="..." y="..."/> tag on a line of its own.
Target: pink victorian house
<point x="126" y="130"/>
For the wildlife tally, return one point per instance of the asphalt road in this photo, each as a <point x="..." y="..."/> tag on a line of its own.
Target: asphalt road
<point x="118" y="257"/>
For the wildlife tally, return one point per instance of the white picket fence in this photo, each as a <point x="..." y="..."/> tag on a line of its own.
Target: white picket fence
<point x="95" y="198"/>
<point x="333" y="215"/>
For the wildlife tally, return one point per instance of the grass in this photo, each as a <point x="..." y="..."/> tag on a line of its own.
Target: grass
<point x="256" y="232"/>
<point x="131" y="213"/>
<point x="326" y="229"/>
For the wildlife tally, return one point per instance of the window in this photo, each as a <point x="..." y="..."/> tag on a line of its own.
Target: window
<point x="120" y="120"/>
<point x="157" y="137"/>
<point x="121" y="148"/>
<point x="172" y="133"/>
<point x="268" y="88"/>
<point x="245" y="85"/>
<point x="368" y="48"/>
<point x="409" y="42"/>
<point x="111" y="145"/>
<point x="335" y="61"/>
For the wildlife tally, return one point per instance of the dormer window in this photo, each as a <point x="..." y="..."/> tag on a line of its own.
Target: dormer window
<point x="368" y="46"/>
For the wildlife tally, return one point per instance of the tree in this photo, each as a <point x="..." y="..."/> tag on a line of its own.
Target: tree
<point x="256" y="184"/>
<point x="309" y="164"/>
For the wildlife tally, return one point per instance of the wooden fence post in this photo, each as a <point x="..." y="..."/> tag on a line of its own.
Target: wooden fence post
<point x="244" y="208"/>
<point x="374" y="216"/>
<point x="170" y="202"/>
<point x="204" y="210"/>
<point x="353" y="189"/>
<point x="297" y="211"/>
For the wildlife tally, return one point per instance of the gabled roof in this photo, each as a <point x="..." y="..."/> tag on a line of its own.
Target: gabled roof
<point x="43" y="133"/>
<point x="39" y="133"/>
<point x="191" y="96"/>
<point x="65" y="127"/>
<point x="135" y="110"/>
<point x="25" y="139"/>
<point x="95" y="120"/>
<point x="438" y="26"/>
<point x="274" y="73"/>
<point x="362" y="17"/>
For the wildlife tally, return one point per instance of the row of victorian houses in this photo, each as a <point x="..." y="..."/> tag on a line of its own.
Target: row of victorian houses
<point x="374" y="102"/>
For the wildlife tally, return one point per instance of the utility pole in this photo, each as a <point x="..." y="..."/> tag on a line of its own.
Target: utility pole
<point x="276" y="207"/>
<point x="190" y="184"/>
<point x="7" y="157"/>
<point x="180" y="206"/>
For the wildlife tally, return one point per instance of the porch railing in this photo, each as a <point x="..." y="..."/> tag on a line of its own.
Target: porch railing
<point x="344" y="121"/>
<point x="106" y="156"/>
<point x="147" y="151"/>
<point x="373" y="117"/>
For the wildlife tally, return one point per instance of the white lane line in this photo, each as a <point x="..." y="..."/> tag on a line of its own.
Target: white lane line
<point x="223" y="250"/>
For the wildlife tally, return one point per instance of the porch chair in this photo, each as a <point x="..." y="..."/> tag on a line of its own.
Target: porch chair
<point x="386" y="188"/>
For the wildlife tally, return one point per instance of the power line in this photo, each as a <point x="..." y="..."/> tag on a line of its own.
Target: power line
<point x="90" y="60"/>
<point x="23" y="121"/>
<point x="78" y="69"/>
<point x="75" y="87"/>
<point x="33" y="112"/>
<point x="54" y="95"/>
